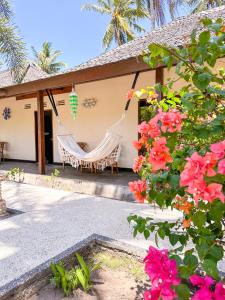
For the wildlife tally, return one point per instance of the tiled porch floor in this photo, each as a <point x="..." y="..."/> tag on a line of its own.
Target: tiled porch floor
<point x="105" y="177"/>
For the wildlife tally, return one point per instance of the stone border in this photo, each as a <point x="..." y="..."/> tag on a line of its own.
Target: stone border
<point x="105" y="190"/>
<point x="41" y="272"/>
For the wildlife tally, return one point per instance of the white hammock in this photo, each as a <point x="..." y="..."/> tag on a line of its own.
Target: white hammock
<point x="105" y="154"/>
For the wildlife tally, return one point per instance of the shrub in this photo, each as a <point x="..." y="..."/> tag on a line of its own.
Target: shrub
<point x="182" y="167"/>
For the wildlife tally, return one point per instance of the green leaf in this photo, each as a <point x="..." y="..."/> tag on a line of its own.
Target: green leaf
<point x="183" y="292"/>
<point x="202" y="249"/>
<point x="210" y="267"/>
<point x="199" y="219"/>
<point x="82" y="279"/>
<point x="216" y="253"/>
<point x="204" y="37"/>
<point x="83" y="265"/>
<point x="173" y="238"/>
<point x="146" y="234"/>
<point x="190" y="259"/>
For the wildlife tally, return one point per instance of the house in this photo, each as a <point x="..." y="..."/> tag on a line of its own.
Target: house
<point x="106" y="78"/>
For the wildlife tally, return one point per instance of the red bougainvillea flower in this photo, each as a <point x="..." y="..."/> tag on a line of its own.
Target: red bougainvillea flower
<point x="221" y="167"/>
<point x="138" y="162"/>
<point x="194" y="169"/>
<point x="154" y="130"/>
<point x="142" y="142"/>
<point x="138" y="188"/>
<point x="197" y="188"/>
<point x="150" y="129"/>
<point x="163" y="274"/>
<point x="200" y="190"/>
<point x="186" y="223"/>
<point x="210" y="161"/>
<point x="204" y="284"/>
<point x="130" y="94"/>
<point x="159" y="155"/>
<point x="171" y="121"/>
<point x="143" y="128"/>
<point x="214" y="191"/>
<point x="219" y="293"/>
<point x="137" y="145"/>
<point x="218" y="149"/>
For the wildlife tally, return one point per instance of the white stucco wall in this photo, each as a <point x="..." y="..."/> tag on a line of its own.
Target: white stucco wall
<point x="90" y="124"/>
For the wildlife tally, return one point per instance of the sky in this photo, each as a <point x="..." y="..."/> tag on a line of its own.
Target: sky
<point x="78" y="34"/>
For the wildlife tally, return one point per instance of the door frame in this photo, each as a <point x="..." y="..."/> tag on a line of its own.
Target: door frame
<point x="36" y="134"/>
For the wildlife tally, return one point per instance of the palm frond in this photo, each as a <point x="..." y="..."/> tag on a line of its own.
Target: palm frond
<point x="12" y="49"/>
<point x="108" y="37"/>
<point x="5" y="9"/>
<point x="46" y="58"/>
<point x="94" y="7"/>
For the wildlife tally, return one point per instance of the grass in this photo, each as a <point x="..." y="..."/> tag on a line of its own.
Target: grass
<point x="121" y="262"/>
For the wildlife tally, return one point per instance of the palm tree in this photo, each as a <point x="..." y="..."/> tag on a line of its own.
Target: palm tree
<point x="124" y="19"/>
<point x="200" y="5"/>
<point x="12" y="48"/>
<point x="46" y="59"/>
<point x="158" y="9"/>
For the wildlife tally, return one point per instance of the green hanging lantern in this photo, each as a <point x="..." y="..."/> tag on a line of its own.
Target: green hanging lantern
<point x="73" y="99"/>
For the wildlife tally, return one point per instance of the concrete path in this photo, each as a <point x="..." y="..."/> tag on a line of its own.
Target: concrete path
<point x="55" y="220"/>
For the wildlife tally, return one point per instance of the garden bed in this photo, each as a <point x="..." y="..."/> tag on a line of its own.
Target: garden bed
<point x="121" y="275"/>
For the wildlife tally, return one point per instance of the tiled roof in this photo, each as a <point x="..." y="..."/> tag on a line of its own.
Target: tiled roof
<point x="175" y="33"/>
<point x="32" y="73"/>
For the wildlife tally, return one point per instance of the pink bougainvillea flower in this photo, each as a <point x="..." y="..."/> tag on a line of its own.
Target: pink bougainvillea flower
<point x="138" y="162"/>
<point x="138" y="188"/>
<point x="150" y="129"/>
<point x="204" y="284"/>
<point x="218" y="149"/>
<point x="221" y="167"/>
<point x="197" y="188"/>
<point x="210" y="160"/>
<point x="194" y="169"/>
<point x="159" y="155"/>
<point x="219" y="293"/>
<point x="154" y="130"/>
<point x="171" y="120"/>
<point x="143" y="128"/>
<point x="214" y="191"/>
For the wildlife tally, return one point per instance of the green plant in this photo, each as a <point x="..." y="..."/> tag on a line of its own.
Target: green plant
<point x="80" y="275"/>
<point x="124" y="19"/>
<point x="46" y="59"/>
<point x="55" y="173"/>
<point x="183" y="166"/>
<point x="15" y="174"/>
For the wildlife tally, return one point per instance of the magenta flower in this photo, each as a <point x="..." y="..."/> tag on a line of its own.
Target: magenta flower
<point x="204" y="284"/>
<point x="163" y="274"/>
<point x="219" y="293"/>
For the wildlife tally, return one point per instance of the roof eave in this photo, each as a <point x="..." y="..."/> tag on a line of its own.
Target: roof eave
<point x="106" y="71"/>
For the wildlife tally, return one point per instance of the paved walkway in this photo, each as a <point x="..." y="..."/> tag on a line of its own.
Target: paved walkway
<point x="54" y="221"/>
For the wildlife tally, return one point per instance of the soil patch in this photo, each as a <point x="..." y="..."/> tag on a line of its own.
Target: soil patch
<point x="121" y="277"/>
